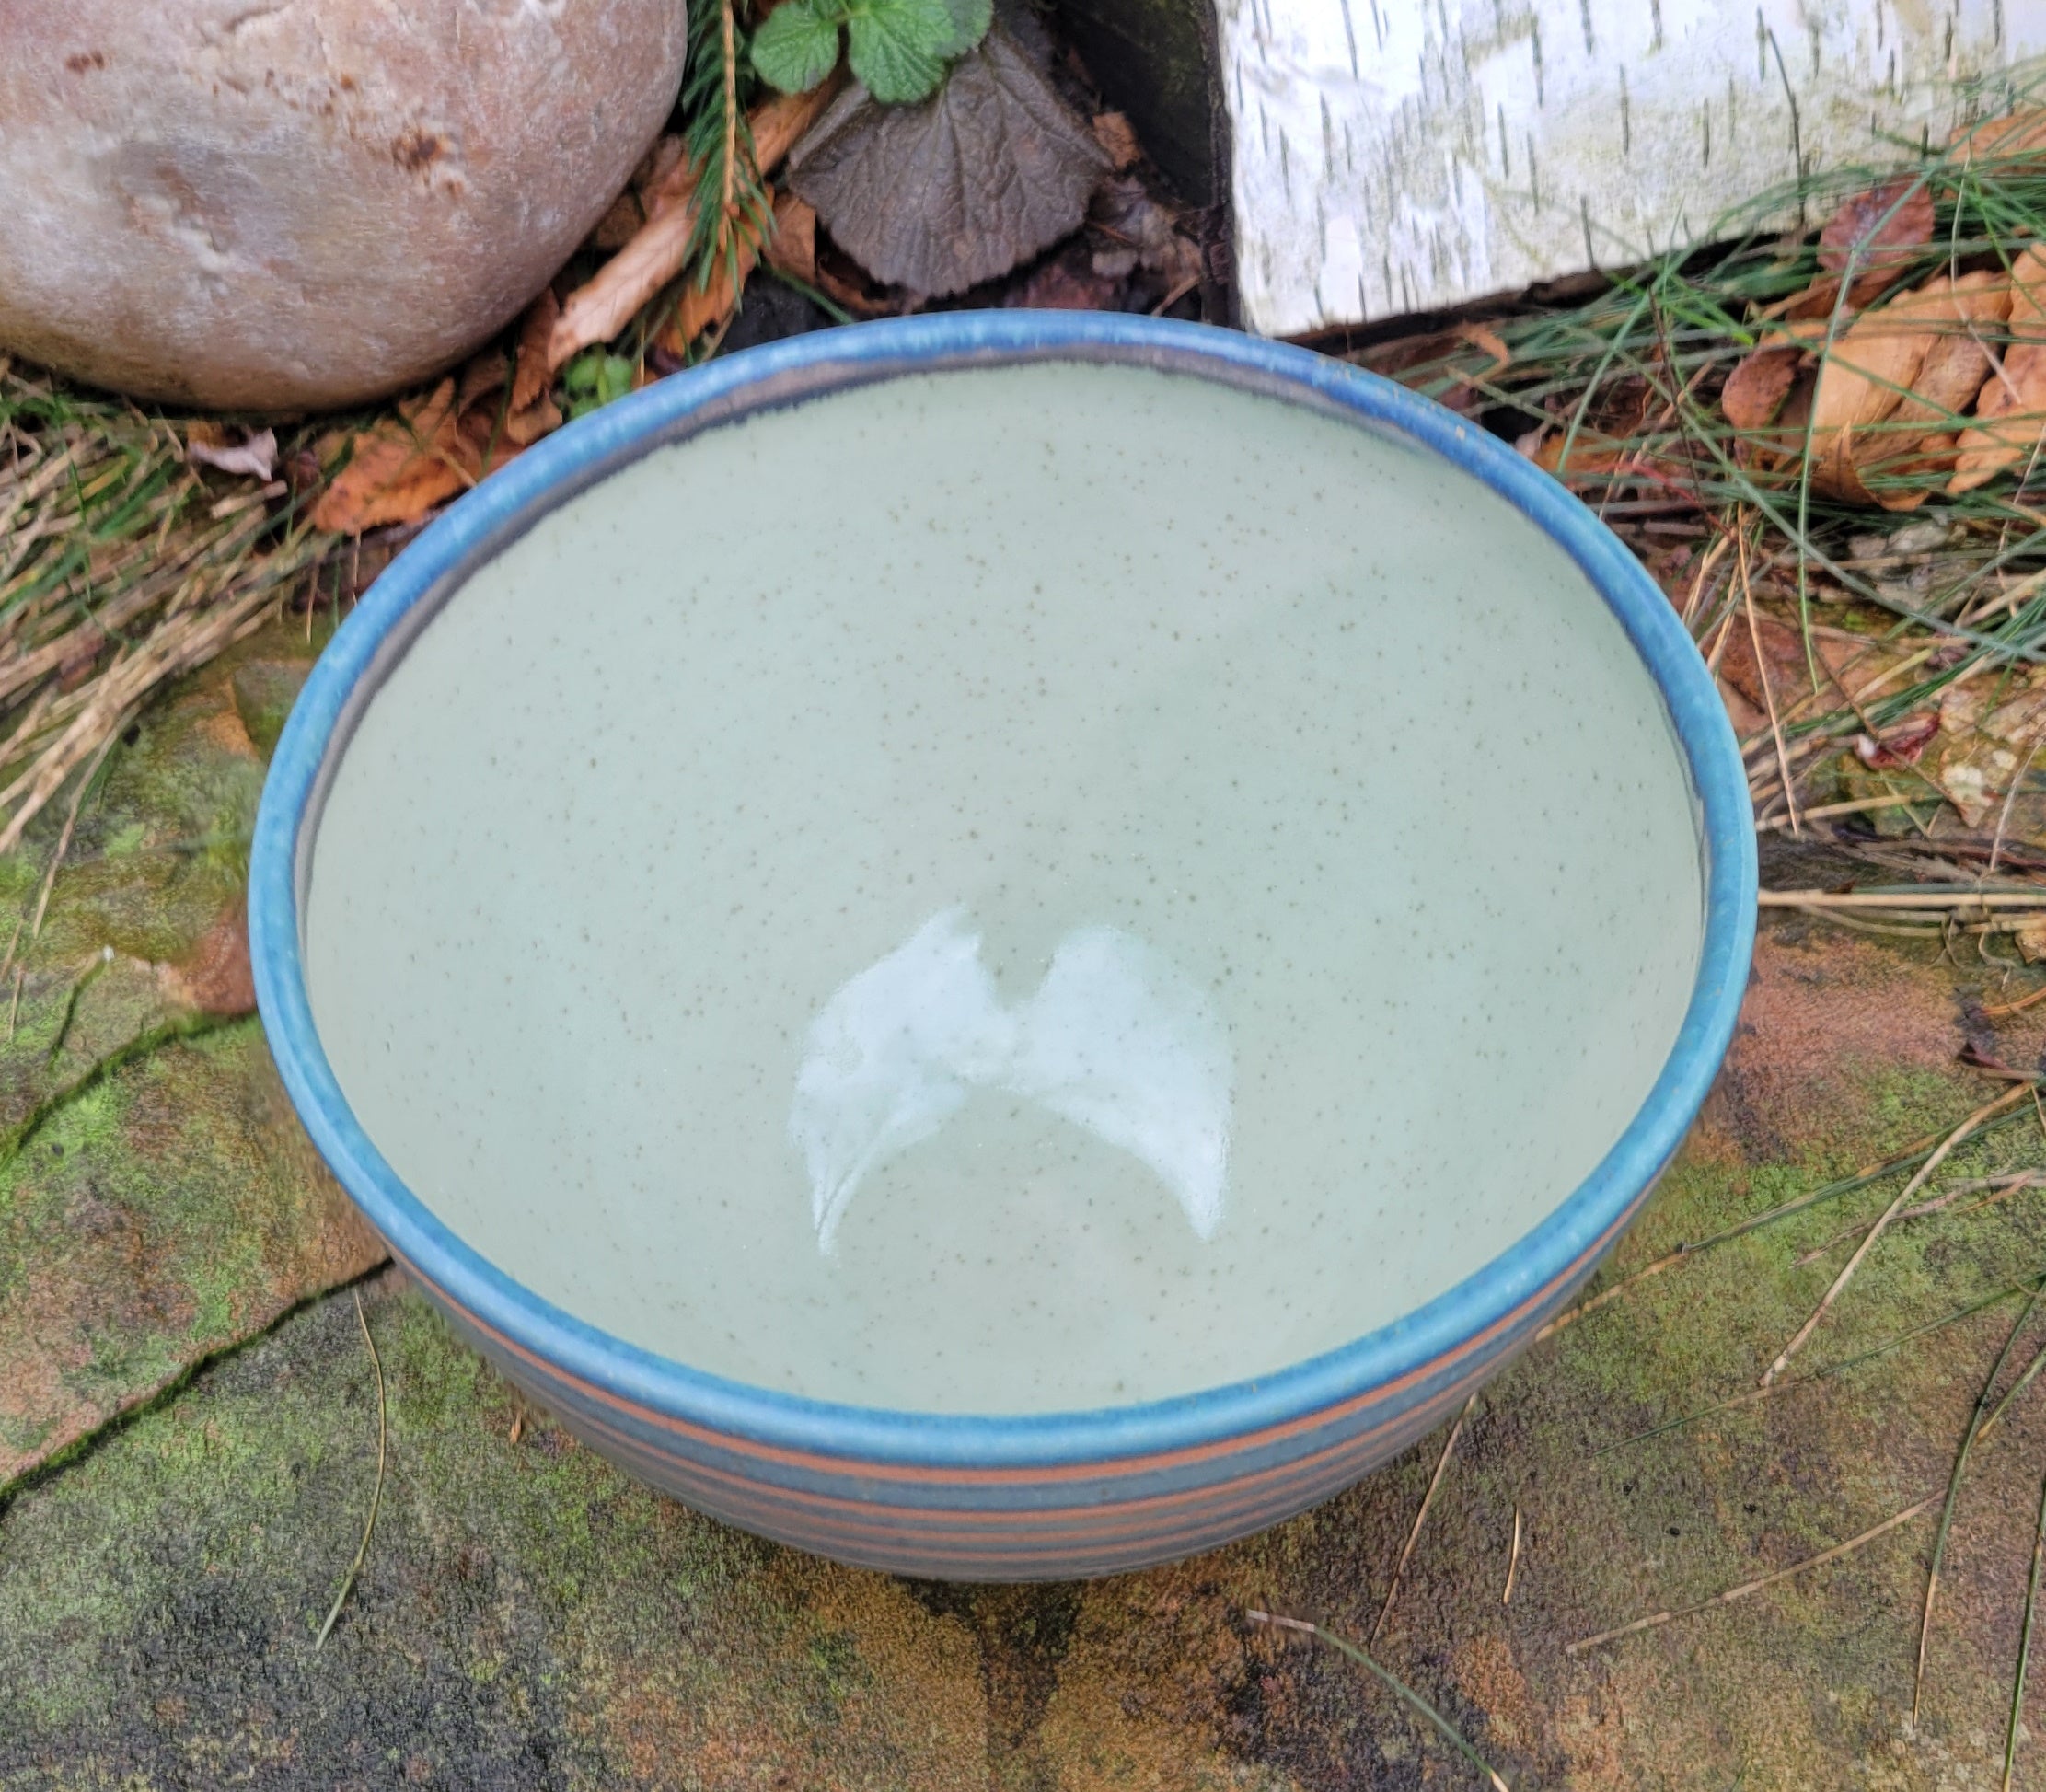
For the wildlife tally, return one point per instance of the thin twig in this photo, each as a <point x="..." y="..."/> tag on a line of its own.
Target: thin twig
<point x="2009" y="1098"/>
<point x="377" y="1491"/>
<point x="1449" y="1731"/>
<point x="1512" y="1561"/>
<point x="1427" y="1499"/>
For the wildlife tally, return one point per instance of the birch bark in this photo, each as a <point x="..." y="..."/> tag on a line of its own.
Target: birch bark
<point x="1398" y="155"/>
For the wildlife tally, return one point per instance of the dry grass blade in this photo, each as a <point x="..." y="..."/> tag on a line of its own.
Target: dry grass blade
<point x="113" y="567"/>
<point x="2025" y="1642"/>
<point x="377" y="1491"/>
<point x="1762" y="669"/>
<point x="1513" y="1560"/>
<point x="1448" y="1730"/>
<point x="1420" y="1518"/>
<point x="1933" y="897"/>
<point x="58" y="853"/>
<point x="2010" y="1098"/>
<point x="1734" y="1594"/>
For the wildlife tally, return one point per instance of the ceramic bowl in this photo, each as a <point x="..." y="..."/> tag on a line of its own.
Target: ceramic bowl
<point x="1042" y="1494"/>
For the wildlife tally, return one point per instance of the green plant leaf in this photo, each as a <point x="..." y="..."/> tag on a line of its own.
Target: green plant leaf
<point x="897" y="48"/>
<point x="970" y="20"/>
<point x="594" y="379"/>
<point x="797" y="45"/>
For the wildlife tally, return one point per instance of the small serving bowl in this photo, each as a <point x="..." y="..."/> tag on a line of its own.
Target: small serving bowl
<point x="962" y="1495"/>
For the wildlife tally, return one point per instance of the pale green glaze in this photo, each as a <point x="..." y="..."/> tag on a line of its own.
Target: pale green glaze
<point x="1284" y="839"/>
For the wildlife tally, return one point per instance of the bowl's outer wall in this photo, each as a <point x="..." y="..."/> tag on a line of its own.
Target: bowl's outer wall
<point x="959" y="1497"/>
<point x="1019" y="1523"/>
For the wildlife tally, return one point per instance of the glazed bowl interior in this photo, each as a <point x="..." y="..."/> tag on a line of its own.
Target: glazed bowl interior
<point x="1051" y="871"/>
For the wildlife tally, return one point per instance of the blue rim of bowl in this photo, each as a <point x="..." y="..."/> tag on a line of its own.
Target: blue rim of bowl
<point x="504" y="506"/>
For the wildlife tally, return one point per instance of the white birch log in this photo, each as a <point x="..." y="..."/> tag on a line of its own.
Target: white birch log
<point x="1400" y="156"/>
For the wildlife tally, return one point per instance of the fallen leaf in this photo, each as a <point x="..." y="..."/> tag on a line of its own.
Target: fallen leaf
<point x="705" y="308"/>
<point x="1066" y="282"/>
<point x="399" y="468"/>
<point x="1955" y="364"/>
<point x="1901" y="745"/>
<point x="534" y="375"/>
<point x="206" y="445"/>
<point x="2007" y="138"/>
<point x="1904" y="458"/>
<point x="2010" y="414"/>
<point x="2026" y="310"/>
<point x="937" y="197"/>
<point x="617" y="226"/>
<point x="2032" y="940"/>
<point x="1877" y="235"/>
<point x="1113" y="132"/>
<point x="1756" y="389"/>
<point x="793" y="246"/>
<point x="481" y="377"/>
<point x="844" y="280"/>
<point x="1863" y="379"/>
<point x="1140" y="233"/>
<point x="1590" y="455"/>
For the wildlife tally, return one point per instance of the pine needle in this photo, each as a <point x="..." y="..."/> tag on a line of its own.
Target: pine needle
<point x="1753" y="1396"/>
<point x="1448" y="1730"/>
<point x="1734" y="1594"/>
<point x="1420" y="1518"/>
<point x="377" y="1491"/>
<point x="2010" y="1098"/>
<point x="1978" y="1420"/>
<point x="2025" y="1642"/>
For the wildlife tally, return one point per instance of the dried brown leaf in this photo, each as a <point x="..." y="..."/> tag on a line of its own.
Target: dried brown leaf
<point x="1863" y="380"/>
<point x="542" y="417"/>
<point x="1113" y="132"/>
<point x="1902" y="463"/>
<point x="615" y="228"/>
<point x="710" y="306"/>
<point x="1955" y="365"/>
<point x="2026" y="310"/>
<point x="2010" y="420"/>
<point x="1756" y="389"/>
<point x="1878" y="234"/>
<point x="2020" y="135"/>
<point x="400" y="468"/>
<point x="535" y="335"/>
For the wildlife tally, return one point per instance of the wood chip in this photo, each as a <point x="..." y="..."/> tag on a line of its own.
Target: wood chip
<point x="793" y="248"/>
<point x="597" y="311"/>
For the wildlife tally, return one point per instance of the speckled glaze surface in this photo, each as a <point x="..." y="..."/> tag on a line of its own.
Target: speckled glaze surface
<point x="1028" y="1493"/>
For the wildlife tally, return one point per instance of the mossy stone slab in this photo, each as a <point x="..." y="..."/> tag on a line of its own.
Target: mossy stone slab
<point x="530" y="1617"/>
<point x="159" y="1200"/>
